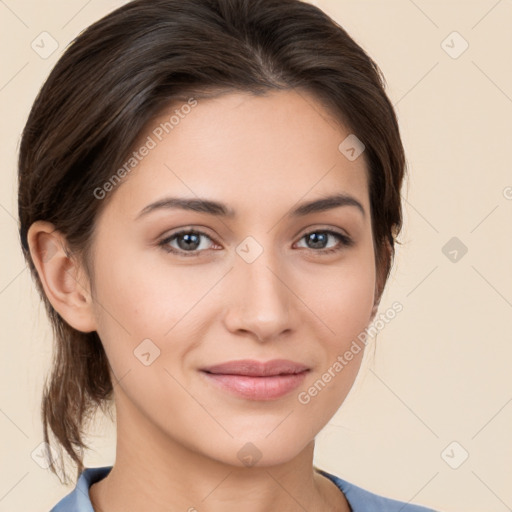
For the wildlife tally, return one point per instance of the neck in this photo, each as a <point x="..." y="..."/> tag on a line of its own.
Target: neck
<point x="153" y="469"/>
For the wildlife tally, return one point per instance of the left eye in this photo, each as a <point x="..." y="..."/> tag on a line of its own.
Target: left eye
<point x="189" y="242"/>
<point x="320" y="237"/>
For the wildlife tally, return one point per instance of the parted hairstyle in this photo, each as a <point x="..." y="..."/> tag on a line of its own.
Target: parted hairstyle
<point x="123" y="71"/>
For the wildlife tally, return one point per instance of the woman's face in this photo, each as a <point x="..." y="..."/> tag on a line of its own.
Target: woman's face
<point x="258" y="284"/>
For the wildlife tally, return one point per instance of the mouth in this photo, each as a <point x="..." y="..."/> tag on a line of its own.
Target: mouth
<point x="252" y="368"/>
<point x="255" y="380"/>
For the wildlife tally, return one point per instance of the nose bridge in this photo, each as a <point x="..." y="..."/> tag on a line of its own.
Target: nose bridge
<point x="261" y="303"/>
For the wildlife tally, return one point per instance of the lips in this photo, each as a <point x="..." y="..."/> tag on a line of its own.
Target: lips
<point x="252" y="368"/>
<point x="254" y="380"/>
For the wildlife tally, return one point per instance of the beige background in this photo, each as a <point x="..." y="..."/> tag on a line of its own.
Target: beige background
<point x="441" y="369"/>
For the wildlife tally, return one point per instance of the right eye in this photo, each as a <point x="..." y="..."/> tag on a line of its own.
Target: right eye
<point x="189" y="242"/>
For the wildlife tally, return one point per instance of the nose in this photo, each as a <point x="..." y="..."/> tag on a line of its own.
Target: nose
<point x="260" y="301"/>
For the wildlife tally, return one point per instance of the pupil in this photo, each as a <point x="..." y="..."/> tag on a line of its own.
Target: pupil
<point x="190" y="238"/>
<point x="314" y="237"/>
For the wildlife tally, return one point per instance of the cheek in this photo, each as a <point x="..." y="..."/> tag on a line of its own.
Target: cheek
<point x="347" y="299"/>
<point x="344" y="308"/>
<point x="144" y="299"/>
<point x="341" y="296"/>
<point x="137" y="301"/>
<point x="343" y="302"/>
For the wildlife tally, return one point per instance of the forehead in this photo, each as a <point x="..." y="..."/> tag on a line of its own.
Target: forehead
<point x="248" y="151"/>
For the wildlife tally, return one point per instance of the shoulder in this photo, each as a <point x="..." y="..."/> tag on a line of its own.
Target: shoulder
<point x="361" y="500"/>
<point x="78" y="499"/>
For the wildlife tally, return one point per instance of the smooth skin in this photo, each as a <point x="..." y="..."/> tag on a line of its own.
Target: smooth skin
<point x="178" y="436"/>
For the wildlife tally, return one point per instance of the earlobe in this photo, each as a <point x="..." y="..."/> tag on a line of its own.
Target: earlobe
<point x="64" y="281"/>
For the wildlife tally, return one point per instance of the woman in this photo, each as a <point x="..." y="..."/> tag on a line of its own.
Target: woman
<point x="209" y="196"/>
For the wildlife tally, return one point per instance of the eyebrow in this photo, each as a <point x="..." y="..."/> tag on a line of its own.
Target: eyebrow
<point x="222" y="210"/>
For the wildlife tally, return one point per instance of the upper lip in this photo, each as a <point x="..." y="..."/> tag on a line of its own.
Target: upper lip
<point x="254" y="368"/>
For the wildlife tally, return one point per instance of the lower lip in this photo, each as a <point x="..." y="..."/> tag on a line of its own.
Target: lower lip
<point x="258" y="388"/>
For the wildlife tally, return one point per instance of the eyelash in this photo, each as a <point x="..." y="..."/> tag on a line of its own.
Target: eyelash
<point x="345" y="242"/>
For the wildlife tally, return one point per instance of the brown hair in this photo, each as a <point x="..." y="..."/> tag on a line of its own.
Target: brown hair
<point x="124" y="70"/>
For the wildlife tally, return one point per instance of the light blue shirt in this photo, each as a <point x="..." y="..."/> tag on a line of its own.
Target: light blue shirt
<point x="359" y="499"/>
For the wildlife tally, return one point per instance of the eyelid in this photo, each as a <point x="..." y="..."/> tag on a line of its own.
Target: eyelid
<point x="324" y="228"/>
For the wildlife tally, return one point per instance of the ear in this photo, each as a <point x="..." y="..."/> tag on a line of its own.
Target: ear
<point x="64" y="281"/>
<point x="380" y="281"/>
